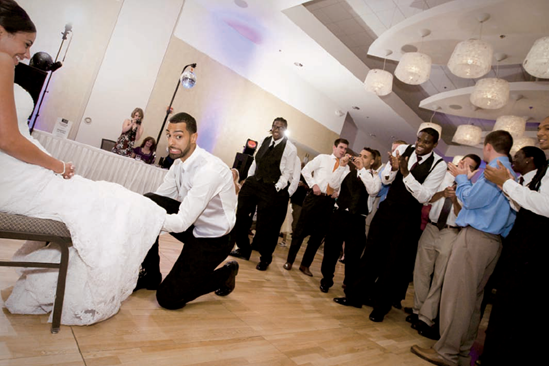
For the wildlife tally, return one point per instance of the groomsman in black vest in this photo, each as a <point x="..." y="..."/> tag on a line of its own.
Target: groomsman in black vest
<point x="414" y="173"/>
<point x="348" y="223"/>
<point x="265" y="189"/>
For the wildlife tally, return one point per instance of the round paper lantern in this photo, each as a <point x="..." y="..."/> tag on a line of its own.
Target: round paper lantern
<point x="379" y="82"/>
<point x="471" y="59"/>
<point x="520" y="143"/>
<point x="468" y="135"/>
<point x="513" y="124"/>
<point x="490" y="93"/>
<point x="536" y="62"/>
<point x="414" y="68"/>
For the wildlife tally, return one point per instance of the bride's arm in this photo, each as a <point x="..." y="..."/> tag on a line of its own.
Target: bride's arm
<point x="11" y="140"/>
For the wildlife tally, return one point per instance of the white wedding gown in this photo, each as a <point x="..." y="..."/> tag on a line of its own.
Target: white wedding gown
<point x="111" y="227"/>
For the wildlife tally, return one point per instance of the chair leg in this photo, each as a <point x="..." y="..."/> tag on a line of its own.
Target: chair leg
<point x="60" y="294"/>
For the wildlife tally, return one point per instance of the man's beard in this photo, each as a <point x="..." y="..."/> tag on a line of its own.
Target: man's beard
<point x="182" y="154"/>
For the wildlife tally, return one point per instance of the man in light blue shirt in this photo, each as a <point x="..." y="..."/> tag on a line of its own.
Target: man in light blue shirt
<point x="486" y="217"/>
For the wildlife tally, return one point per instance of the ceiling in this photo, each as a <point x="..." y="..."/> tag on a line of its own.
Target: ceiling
<point x="332" y="44"/>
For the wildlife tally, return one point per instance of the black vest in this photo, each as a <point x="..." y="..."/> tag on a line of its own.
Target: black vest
<point x="353" y="195"/>
<point x="268" y="161"/>
<point x="398" y="194"/>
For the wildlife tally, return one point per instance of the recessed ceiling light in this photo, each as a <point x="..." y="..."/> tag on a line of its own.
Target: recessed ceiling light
<point x="298" y="64"/>
<point x="356" y="108"/>
<point x="241" y="3"/>
<point x="455" y="106"/>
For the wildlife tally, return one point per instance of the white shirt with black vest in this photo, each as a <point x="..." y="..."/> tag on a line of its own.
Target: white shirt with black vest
<point x="287" y="163"/>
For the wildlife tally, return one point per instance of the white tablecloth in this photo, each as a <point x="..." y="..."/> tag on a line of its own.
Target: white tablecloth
<point x="96" y="164"/>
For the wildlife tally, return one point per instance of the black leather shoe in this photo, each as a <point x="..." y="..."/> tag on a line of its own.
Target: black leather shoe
<point x="397" y="305"/>
<point x="230" y="284"/>
<point x="408" y="310"/>
<point x="346" y="302"/>
<point x="262" y="266"/>
<point x="427" y="331"/>
<point x="148" y="280"/>
<point x="287" y="266"/>
<point x="324" y="289"/>
<point x="240" y="254"/>
<point x="412" y="318"/>
<point x="377" y="316"/>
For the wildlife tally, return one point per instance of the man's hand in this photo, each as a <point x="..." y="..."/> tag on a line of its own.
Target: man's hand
<point x="316" y="190"/>
<point x="358" y="163"/>
<point x="403" y="165"/>
<point x="344" y="160"/>
<point x="450" y="192"/>
<point x="498" y="175"/>
<point x="461" y="168"/>
<point x="393" y="160"/>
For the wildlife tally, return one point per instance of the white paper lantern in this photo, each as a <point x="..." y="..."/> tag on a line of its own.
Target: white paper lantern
<point x="471" y="59"/>
<point x="490" y="93"/>
<point x="520" y="143"/>
<point x="414" y="68"/>
<point x="379" y="82"/>
<point x="435" y="126"/>
<point x="468" y="135"/>
<point x="515" y="125"/>
<point x="536" y="62"/>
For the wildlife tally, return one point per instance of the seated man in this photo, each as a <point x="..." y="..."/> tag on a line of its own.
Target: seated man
<point x="200" y="194"/>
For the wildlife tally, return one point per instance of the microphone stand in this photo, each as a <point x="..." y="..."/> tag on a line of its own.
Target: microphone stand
<point x="169" y="110"/>
<point x="55" y="66"/>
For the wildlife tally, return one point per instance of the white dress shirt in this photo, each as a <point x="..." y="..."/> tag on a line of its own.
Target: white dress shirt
<point x="319" y="170"/>
<point x="287" y="163"/>
<point x="368" y="177"/>
<point x="436" y="207"/>
<point x="421" y="192"/>
<point x="204" y="186"/>
<point x="296" y="176"/>
<point x="535" y="201"/>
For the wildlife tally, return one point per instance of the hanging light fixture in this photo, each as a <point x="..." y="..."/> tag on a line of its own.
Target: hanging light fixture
<point x="536" y="62"/>
<point x="468" y="135"/>
<point x="472" y="58"/>
<point x="431" y="124"/>
<point x="515" y="125"/>
<point x="379" y="81"/>
<point x="520" y="143"/>
<point x="414" y="68"/>
<point x="490" y="93"/>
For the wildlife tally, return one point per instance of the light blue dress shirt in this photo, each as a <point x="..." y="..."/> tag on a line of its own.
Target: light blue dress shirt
<point x="484" y="206"/>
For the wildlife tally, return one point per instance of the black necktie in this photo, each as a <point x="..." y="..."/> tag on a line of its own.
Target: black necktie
<point x="444" y="213"/>
<point x="521" y="181"/>
<point x="416" y="163"/>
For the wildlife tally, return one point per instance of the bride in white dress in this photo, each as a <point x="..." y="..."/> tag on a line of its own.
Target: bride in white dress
<point x="112" y="228"/>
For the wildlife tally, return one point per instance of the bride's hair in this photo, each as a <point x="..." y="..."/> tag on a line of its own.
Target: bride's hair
<point x="14" y="19"/>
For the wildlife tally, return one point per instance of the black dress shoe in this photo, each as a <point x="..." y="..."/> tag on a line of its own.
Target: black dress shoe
<point x="427" y="331"/>
<point x="324" y="289"/>
<point x="412" y="318"/>
<point x="240" y="254"/>
<point x="148" y="280"/>
<point x="408" y="310"/>
<point x="230" y="284"/>
<point x="377" y="315"/>
<point x="262" y="266"/>
<point x="287" y="266"/>
<point x="347" y="302"/>
<point x="397" y="305"/>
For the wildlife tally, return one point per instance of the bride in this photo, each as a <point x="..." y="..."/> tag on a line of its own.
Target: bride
<point x="109" y="238"/>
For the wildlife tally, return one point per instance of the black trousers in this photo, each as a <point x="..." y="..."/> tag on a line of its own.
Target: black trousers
<point x="389" y="254"/>
<point x="194" y="273"/>
<point x="271" y="210"/>
<point x="348" y="228"/>
<point x="313" y="220"/>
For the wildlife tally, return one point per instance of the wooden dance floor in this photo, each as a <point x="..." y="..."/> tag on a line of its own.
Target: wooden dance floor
<point x="276" y="317"/>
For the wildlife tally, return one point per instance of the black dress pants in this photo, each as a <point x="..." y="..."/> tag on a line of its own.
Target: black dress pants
<point x="271" y="211"/>
<point x="314" y="220"/>
<point x="348" y="228"/>
<point x="194" y="273"/>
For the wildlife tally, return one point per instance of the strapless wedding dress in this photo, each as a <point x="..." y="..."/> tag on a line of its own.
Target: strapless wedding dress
<point x="112" y="230"/>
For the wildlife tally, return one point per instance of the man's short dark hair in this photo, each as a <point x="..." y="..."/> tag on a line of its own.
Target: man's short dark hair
<point x="341" y="141"/>
<point x="475" y="158"/>
<point x="501" y="141"/>
<point x="280" y="119"/>
<point x="432" y="132"/>
<point x="371" y="151"/>
<point x="187" y="119"/>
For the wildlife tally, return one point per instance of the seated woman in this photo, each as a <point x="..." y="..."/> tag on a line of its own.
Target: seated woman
<point x="131" y="132"/>
<point x="112" y="228"/>
<point x="147" y="151"/>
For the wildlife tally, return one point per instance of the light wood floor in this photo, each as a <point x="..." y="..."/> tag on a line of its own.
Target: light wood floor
<point x="276" y="317"/>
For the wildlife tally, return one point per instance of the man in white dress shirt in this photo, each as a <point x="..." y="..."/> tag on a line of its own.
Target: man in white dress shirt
<point x="433" y="252"/>
<point x="317" y="206"/>
<point x="265" y="189"/>
<point x="199" y="193"/>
